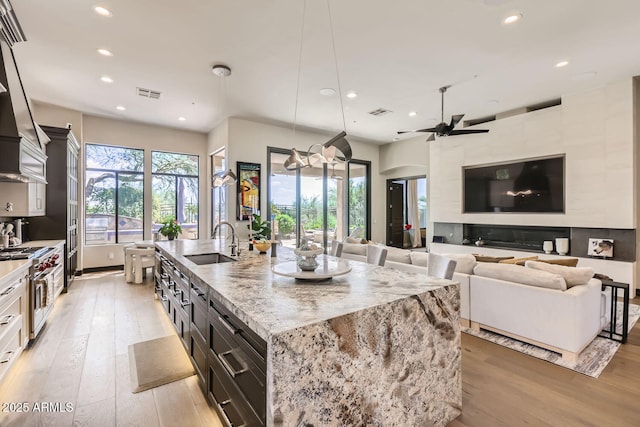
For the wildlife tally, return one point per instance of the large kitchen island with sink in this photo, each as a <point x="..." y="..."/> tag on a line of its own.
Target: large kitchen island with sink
<point x="375" y="346"/>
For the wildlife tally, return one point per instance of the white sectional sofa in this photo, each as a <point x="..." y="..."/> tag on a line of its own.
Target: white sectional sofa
<point x="524" y="306"/>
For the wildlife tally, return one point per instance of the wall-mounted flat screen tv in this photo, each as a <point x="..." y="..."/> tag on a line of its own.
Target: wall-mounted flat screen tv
<point x="530" y="185"/>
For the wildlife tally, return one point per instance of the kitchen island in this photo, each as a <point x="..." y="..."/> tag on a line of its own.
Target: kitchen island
<point x="376" y="346"/>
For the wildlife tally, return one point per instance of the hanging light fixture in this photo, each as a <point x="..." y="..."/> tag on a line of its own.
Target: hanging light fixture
<point x="327" y="152"/>
<point x="223" y="178"/>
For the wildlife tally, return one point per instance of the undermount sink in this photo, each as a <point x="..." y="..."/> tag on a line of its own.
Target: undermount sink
<point x="212" y="258"/>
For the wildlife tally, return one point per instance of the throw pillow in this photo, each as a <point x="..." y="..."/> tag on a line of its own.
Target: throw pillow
<point x="518" y="261"/>
<point x="574" y="276"/>
<point x="517" y="274"/>
<point x="568" y="262"/>
<point x="465" y="262"/>
<point x="488" y="258"/>
<point x="421" y="259"/>
<point x="398" y="255"/>
<point x="354" y="248"/>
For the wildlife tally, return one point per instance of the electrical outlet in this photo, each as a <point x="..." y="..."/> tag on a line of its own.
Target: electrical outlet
<point x="111" y="256"/>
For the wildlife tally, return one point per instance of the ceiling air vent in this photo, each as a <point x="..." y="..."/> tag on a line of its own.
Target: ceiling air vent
<point x="148" y="93"/>
<point x="379" y="112"/>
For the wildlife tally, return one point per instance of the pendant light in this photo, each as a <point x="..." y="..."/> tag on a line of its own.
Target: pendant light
<point x="327" y="152"/>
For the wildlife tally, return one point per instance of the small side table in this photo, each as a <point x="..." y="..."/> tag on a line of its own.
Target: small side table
<point x="611" y="332"/>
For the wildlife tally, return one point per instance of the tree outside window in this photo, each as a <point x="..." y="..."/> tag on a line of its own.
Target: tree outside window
<point x="175" y="191"/>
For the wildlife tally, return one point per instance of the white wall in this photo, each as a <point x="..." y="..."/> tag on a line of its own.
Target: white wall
<point x="100" y="130"/>
<point x="594" y="129"/>
<point x="248" y="141"/>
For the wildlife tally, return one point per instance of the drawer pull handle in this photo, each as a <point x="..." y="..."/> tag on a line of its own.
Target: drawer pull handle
<point x="7" y="319"/>
<point x="228" y="325"/>
<point x="226" y="420"/>
<point x="227" y="365"/>
<point x="165" y="299"/>
<point x="184" y="303"/>
<point x="8" y="291"/>
<point x="7" y="357"/>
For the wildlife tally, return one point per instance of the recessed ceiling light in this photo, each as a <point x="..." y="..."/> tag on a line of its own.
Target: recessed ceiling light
<point x="106" y="79"/>
<point x="562" y="64"/>
<point x="102" y="11"/>
<point x="327" y="91"/>
<point x="182" y="119"/>
<point x="412" y="114"/>
<point x="352" y="95"/>
<point x="120" y="107"/>
<point x="105" y="52"/>
<point x="512" y="19"/>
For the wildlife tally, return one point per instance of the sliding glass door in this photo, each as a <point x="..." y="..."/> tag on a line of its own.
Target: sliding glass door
<point x="319" y="203"/>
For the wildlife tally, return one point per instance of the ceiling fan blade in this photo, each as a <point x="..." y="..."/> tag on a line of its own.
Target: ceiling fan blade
<point x="455" y="120"/>
<point x="432" y="137"/>
<point x="417" y="130"/>
<point x="468" y="131"/>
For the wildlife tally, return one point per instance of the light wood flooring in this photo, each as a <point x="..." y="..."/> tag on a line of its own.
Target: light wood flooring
<point x="81" y="357"/>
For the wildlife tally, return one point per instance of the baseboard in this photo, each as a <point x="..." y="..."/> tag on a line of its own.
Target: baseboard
<point x="99" y="269"/>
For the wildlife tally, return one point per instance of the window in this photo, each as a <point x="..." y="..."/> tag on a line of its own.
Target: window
<point x="175" y="191"/>
<point x="114" y="194"/>
<point x="219" y="194"/>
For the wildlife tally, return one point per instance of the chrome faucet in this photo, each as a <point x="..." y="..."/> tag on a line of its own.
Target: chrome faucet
<point x="234" y="245"/>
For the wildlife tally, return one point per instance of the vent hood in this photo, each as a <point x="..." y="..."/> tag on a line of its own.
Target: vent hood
<point x="22" y="158"/>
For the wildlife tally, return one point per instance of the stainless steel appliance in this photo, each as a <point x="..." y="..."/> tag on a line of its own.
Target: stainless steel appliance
<point x="46" y="281"/>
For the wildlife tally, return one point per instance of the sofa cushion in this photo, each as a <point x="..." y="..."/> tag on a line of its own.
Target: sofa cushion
<point x="574" y="276"/>
<point x="518" y="274"/>
<point x="568" y="262"/>
<point x="421" y="259"/>
<point x="464" y="262"/>
<point x="354" y="240"/>
<point x="489" y="258"/>
<point x="354" y="248"/>
<point x="398" y="255"/>
<point x="518" y="261"/>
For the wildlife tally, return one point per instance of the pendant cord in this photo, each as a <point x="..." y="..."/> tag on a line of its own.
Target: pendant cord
<point x="295" y="111"/>
<point x="335" y="61"/>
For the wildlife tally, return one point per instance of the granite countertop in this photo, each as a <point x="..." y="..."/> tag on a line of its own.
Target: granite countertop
<point x="8" y="267"/>
<point x="38" y="243"/>
<point x="270" y="304"/>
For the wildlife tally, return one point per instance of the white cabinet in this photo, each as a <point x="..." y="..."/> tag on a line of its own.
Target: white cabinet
<point x="13" y="315"/>
<point x="27" y="199"/>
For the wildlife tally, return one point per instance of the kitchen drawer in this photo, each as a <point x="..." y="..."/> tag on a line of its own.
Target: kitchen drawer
<point x="181" y="323"/>
<point x="198" y="356"/>
<point x="198" y="316"/>
<point x="12" y="297"/>
<point x="243" y="365"/>
<point x="229" y="402"/>
<point x="259" y="345"/>
<point x="12" y="342"/>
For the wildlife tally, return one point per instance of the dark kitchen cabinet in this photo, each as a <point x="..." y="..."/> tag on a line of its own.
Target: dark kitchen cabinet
<point x="61" y="219"/>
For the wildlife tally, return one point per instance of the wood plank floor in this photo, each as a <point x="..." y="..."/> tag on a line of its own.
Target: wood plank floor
<point x="81" y="357"/>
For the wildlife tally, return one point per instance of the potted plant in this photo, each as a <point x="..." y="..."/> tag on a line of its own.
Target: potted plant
<point x="260" y="230"/>
<point x="170" y="228"/>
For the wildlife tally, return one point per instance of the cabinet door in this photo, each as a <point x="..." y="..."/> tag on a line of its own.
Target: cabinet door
<point x="26" y="199"/>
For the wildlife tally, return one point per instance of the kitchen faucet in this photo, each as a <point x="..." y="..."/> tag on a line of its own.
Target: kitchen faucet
<point x="234" y="246"/>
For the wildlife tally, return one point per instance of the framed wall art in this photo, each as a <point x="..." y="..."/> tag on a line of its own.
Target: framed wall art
<point x="248" y="189"/>
<point x="600" y="248"/>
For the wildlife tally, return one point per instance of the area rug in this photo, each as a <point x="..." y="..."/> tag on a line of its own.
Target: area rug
<point x="592" y="360"/>
<point x="157" y="362"/>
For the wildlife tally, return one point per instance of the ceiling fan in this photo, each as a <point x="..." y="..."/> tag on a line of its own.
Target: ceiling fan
<point x="443" y="129"/>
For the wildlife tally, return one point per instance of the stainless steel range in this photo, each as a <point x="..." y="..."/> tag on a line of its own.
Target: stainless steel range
<point x="46" y="281"/>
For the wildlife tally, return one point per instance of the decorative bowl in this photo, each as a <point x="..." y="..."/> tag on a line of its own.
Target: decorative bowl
<point x="308" y="252"/>
<point x="263" y="247"/>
